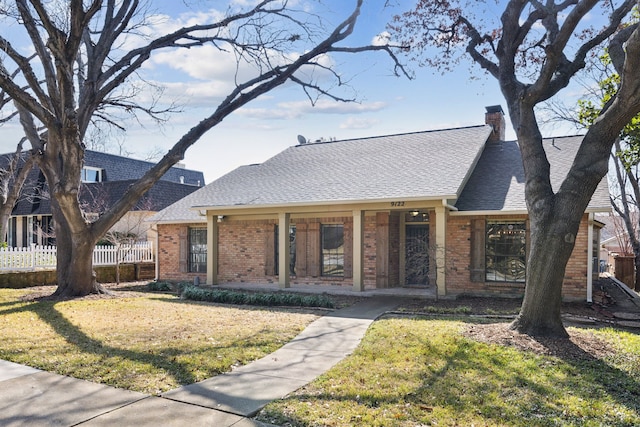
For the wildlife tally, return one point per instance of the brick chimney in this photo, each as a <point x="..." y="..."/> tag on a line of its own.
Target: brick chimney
<point x="494" y="117"/>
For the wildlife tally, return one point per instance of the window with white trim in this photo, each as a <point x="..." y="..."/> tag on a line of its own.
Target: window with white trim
<point x="91" y="174"/>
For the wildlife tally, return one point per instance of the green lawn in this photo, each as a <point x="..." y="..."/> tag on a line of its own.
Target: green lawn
<point x="420" y="372"/>
<point x="149" y="342"/>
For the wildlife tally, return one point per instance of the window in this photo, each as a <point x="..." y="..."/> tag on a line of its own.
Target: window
<point x="197" y="250"/>
<point x="332" y="237"/>
<point x="505" y="254"/>
<point x="292" y="251"/>
<point x="91" y="174"/>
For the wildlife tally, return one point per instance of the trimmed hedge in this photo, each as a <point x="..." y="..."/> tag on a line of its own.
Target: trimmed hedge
<point x="225" y="296"/>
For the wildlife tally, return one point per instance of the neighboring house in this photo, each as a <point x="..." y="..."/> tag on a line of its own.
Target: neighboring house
<point x="441" y="208"/>
<point x="105" y="178"/>
<point x="615" y="240"/>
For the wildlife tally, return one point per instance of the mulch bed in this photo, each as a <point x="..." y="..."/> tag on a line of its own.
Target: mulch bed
<point x="581" y="345"/>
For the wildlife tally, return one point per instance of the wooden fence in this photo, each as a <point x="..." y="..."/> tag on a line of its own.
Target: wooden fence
<point x="44" y="257"/>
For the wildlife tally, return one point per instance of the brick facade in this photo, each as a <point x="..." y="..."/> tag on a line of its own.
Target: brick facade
<point x="458" y="261"/>
<point x="247" y="254"/>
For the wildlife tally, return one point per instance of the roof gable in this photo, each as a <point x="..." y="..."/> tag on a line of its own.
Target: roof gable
<point x="433" y="164"/>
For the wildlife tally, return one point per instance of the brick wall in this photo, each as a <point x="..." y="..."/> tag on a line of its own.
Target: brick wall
<point x="459" y="259"/>
<point x="243" y="248"/>
<point x="169" y="253"/>
<point x="575" y="277"/>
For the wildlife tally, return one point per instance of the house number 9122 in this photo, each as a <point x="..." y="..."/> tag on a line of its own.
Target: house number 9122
<point x="397" y="204"/>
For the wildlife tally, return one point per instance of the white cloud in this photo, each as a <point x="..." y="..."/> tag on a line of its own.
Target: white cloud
<point x="382" y="39"/>
<point x="327" y="106"/>
<point x="358" y="123"/>
<point x="297" y="109"/>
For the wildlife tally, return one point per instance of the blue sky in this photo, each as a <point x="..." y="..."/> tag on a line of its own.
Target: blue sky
<point x="387" y="104"/>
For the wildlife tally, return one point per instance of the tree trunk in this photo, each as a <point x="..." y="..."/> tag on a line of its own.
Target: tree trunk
<point x="554" y="221"/>
<point x="75" y="269"/>
<point x="551" y="245"/>
<point x="5" y="213"/>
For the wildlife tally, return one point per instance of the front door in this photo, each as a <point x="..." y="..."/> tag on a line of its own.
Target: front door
<point x="417" y="254"/>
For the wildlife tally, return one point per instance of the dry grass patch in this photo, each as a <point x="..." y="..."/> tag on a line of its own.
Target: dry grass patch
<point x="147" y="342"/>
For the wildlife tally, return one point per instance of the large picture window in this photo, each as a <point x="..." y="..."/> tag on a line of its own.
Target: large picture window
<point x="197" y="250"/>
<point x="332" y="237"/>
<point x="505" y="251"/>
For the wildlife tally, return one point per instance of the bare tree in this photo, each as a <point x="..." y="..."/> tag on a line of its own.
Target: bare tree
<point x="13" y="170"/>
<point x="85" y="65"/>
<point x="132" y="228"/>
<point x="534" y="51"/>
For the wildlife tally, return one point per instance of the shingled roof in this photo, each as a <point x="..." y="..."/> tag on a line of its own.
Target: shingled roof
<point x="118" y="173"/>
<point x="121" y="168"/>
<point x="497" y="182"/>
<point x="413" y="166"/>
<point x="454" y="164"/>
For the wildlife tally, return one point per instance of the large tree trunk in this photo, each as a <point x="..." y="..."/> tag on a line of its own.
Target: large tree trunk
<point x="74" y="269"/>
<point x="552" y="241"/>
<point x="553" y="228"/>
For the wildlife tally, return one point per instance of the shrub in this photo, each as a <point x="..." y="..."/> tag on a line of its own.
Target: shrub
<point x="224" y="296"/>
<point x="447" y="310"/>
<point x="159" y="286"/>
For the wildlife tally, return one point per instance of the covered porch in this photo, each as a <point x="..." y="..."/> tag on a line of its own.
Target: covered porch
<point x="381" y="254"/>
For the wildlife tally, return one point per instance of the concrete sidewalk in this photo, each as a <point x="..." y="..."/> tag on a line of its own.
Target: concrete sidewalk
<point x="29" y="397"/>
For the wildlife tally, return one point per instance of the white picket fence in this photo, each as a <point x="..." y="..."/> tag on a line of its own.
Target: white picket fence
<point x="44" y="257"/>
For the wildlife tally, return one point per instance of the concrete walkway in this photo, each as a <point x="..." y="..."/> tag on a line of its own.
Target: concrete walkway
<point x="30" y="397"/>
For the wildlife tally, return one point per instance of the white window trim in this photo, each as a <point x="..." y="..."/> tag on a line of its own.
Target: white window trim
<point x="93" y="169"/>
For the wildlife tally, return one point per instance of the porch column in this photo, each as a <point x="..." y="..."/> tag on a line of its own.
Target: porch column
<point x="212" y="249"/>
<point x="284" y="247"/>
<point x="358" y="251"/>
<point x="590" y="259"/>
<point x="441" y="230"/>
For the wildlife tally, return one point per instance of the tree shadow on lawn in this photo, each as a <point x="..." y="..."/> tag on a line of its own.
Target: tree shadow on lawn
<point x="164" y="359"/>
<point x="320" y="311"/>
<point x="467" y="380"/>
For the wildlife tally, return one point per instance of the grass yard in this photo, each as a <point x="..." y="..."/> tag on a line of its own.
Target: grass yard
<point x="422" y="372"/>
<point x="146" y="342"/>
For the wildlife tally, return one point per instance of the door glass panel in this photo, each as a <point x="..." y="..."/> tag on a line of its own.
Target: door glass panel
<point x="417" y="255"/>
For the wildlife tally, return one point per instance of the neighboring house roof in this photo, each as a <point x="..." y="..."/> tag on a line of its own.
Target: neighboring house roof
<point x="614" y="233"/>
<point x="97" y="197"/>
<point x="497" y="183"/>
<point x="118" y="174"/>
<point x="454" y="164"/>
<point x="120" y="168"/>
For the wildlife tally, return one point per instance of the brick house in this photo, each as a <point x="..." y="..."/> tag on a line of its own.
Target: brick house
<point x="441" y="209"/>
